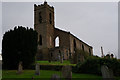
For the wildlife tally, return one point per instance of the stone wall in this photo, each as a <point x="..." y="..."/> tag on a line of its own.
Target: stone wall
<point x="70" y="42"/>
<point x="79" y="45"/>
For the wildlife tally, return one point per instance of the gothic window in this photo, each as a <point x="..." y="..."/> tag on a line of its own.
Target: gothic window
<point x="74" y="43"/>
<point x="50" y="18"/>
<point x="57" y="42"/>
<point x="82" y="47"/>
<point x="89" y="51"/>
<point x="40" y="40"/>
<point x="40" y="18"/>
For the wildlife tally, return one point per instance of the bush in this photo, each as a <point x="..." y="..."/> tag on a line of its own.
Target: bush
<point x="93" y="66"/>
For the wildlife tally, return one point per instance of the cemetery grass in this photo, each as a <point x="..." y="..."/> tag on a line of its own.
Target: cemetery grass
<point x="65" y="62"/>
<point x="6" y="74"/>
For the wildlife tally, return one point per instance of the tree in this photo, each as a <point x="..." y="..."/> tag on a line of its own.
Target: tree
<point x="18" y="45"/>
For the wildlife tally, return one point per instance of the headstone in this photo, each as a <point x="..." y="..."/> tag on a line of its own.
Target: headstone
<point x="20" y="68"/>
<point x="37" y="69"/>
<point x="61" y="58"/>
<point x="107" y="73"/>
<point x="67" y="72"/>
<point x="55" y="77"/>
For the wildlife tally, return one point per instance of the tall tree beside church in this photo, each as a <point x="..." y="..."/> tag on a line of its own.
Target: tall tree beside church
<point x="18" y="45"/>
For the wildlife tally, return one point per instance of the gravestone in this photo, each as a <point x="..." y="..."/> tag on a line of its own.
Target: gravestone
<point x="61" y="59"/>
<point x="37" y="69"/>
<point x="55" y="77"/>
<point x="20" y="68"/>
<point x="107" y="73"/>
<point x="67" y="72"/>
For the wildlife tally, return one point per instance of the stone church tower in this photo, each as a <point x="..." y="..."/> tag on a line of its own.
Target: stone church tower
<point x="44" y="25"/>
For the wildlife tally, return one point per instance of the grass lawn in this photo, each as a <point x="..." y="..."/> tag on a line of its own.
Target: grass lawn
<point x="43" y="74"/>
<point x="55" y="63"/>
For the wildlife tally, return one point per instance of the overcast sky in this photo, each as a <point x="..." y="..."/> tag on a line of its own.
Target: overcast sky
<point x="95" y="23"/>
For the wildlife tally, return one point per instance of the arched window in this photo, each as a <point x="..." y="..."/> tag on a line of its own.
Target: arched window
<point x="90" y="51"/>
<point x="40" y="18"/>
<point x="57" y="42"/>
<point x="82" y="47"/>
<point x="74" y="43"/>
<point x="50" y="18"/>
<point x="40" y="40"/>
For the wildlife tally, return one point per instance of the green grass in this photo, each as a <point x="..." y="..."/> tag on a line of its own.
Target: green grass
<point x="28" y="74"/>
<point x="43" y="74"/>
<point x="55" y="63"/>
<point x="75" y="75"/>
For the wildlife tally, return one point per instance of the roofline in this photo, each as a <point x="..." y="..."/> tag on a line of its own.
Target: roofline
<point x="81" y="40"/>
<point x="73" y="36"/>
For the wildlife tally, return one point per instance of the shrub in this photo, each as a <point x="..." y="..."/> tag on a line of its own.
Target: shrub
<point x="93" y="65"/>
<point x="80" y="56"/>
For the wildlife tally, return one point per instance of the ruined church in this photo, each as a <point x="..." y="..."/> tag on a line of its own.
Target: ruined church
<point x="47" y="34"/>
